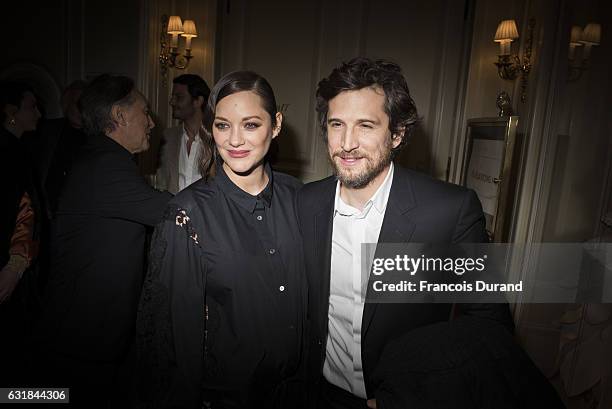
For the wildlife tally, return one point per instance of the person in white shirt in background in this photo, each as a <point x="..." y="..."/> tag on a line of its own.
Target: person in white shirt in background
<point x="182" y="145"/>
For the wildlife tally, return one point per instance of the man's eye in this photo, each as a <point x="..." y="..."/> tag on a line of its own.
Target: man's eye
<point x="367" y="126"/>
<point x="335" y="124"/>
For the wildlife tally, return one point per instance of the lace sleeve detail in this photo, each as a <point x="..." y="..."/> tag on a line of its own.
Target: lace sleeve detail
<point x="154" y="328"/>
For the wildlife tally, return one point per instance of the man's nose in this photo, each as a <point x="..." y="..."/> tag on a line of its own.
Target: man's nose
<point x="350" y="140"/>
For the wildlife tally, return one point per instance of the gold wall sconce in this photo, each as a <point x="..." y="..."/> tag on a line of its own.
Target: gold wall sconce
<point x="509" y="66"/>
<point x="584" y="41"/>
<point x="169" y="55"/>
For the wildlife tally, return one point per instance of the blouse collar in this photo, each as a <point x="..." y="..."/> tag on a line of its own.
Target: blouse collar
<point x="242" y="198"/>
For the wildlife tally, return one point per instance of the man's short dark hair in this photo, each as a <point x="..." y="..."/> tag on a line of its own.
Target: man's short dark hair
<point x="196" y="86"/>
<point x="363" y="72"/>
<point x="98" y="99"/>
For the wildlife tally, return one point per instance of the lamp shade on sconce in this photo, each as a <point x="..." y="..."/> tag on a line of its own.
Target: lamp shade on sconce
<point x="585" y="39"/>
<point x="170" y="55"/>
<point x="576" y="36"/>
<point x="510" y="67"/>
<point x="175" y="26"/>
<point x="505" y="34"/>
<point x="591" y="34"/>
<point x="506" y="31"/>
<point x="189" y="29"/>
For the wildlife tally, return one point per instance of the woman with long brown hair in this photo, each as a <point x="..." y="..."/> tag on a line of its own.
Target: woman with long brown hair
<point x="221" y="314"/>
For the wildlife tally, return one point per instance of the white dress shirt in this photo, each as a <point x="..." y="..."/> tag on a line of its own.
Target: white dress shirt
<point x="352" y="227"/>
<point x="188" y="171"/>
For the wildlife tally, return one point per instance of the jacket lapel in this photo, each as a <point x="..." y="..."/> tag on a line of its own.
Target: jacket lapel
<point x="323" y="244"/>
<point x="397" y="226"/>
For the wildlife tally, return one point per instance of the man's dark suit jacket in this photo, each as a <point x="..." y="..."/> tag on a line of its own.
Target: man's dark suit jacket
<point x="97" y="254"/>
<point x="419" y="210"/>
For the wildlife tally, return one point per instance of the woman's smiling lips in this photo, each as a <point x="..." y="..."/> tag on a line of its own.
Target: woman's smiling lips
<point x="238" y="153"/>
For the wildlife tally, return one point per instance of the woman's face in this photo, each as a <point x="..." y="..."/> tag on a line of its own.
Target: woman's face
<point x="242" y="130"/>
<point x="27" y="115"/>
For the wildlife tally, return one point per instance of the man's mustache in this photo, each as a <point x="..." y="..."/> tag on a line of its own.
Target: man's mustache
<point x="347" y="155"/>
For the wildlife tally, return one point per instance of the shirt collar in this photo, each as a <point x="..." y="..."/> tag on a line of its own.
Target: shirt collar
<point x="185" y="137"/>
<point x="378" y="200"/>
<point x="242" y="198"/>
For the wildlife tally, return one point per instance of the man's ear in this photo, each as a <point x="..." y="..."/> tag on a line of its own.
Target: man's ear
<point x="199" y="101"/>
<point x="279" y="125"/>
<point x="398" y="136"/>
<point x="118" y="115"/>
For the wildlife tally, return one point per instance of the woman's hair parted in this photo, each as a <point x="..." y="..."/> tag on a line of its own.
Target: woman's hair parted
<point x="231" y="83"/>
<point x="362" y="72"/>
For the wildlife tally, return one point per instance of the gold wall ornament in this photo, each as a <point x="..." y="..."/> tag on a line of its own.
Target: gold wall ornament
<point x="169" y="55"/>
<point x="510" y="67"/>
<point x="504" y="104"/>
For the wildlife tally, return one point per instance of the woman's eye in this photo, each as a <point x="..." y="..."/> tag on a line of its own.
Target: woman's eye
<point x="221" y="125"/>
<point x="251" y="125"/>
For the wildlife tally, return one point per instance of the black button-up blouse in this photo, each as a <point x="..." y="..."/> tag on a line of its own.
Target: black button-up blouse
<point x="222" y="308"/>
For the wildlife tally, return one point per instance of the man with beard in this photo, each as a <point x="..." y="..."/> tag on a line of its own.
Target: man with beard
<point x="182" y="145"/>
<point x="366" y="115"/>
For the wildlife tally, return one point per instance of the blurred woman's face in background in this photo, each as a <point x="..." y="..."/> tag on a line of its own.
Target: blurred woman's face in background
<point x="27" y="116"/>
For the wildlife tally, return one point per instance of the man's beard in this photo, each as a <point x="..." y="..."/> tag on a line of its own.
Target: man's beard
<point x="373" y="167"/>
